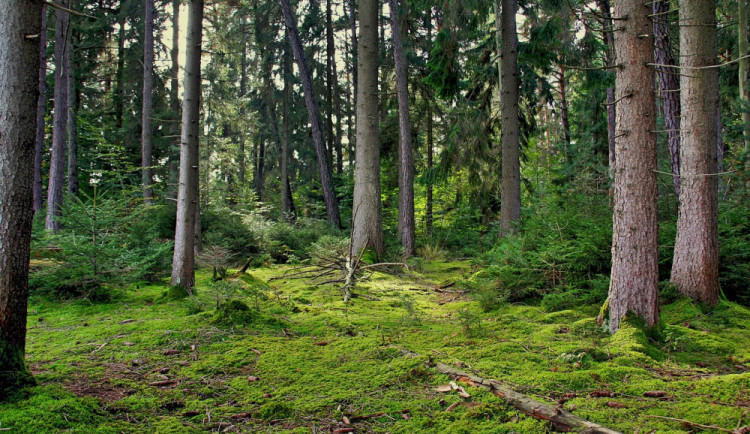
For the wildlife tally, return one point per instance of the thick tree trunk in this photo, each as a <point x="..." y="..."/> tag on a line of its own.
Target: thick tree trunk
<point x="183" y="263"/>
<point x="669" y="85"/>
<point x="59" y="122"/>
<point x="41" y="110"/>
<point x="324" y="164"/>
<point x="606" y="11"/>
<point x="148" y="87"/>
<point x="744" y="65"/>
<point x="367" y="229"/>
<point x="72" y="117"/>
<point x="174" y="101"/>
<point x="510" y="206"/>
<point x="695" y="269"/>
<point x="406" y="228"/>
<point x="19" y="91"/>
<point x="635" y="273"/>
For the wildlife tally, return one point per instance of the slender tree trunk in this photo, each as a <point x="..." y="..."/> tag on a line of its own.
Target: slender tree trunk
<point x="695" y="269"/>
<point x="41" y="110"/>
<point x="287" y="204"/>
<point x="368" y="220"/>
<point x="669" y="85"/>
<point x="429" y="102"/>
<point x="564" y="116"/>
<point x="19" y="92"/>
<point x="243" y="94"/>
<point x="72" y="115"/>
<point x="174" y="101"/>
<point x="59" y="122"/>
<point x="606" y="11"/>
<point x="510" y="206"/>
<point x="744" y="65"/>
<point x="330" y="53"/>
<point x="324" y="164"/>
<point x="259" y="161"/>
<point x="406" y="228"/>
<point x="635" y="272"/>
<point x="355" y="86"/>
<point x="183" y="263"/>
<point x="120" y="91"/>
<point x="148" y="88"/>
<point x="498" y="46"/>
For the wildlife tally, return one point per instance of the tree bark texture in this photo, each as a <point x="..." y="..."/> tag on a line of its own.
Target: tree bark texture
<point x="406" y="224"/>
<point x="669" y="85"/>
<point x="355" y="85"/>
<point x="19" y="91"/>
<point x="59" y="122"/>
<point x="324" y="164"/>
<point x="41" y="110"/>
<point x="183" y="262"/>
<point x="72" y="115"/>
<point x="695" y="269"/>
<point x="174" y="101"/>
<point x="635" y="274"/>
<point x="148" y="106"/>
<point x="510" y="205"/>
<point x="367" y="229"/>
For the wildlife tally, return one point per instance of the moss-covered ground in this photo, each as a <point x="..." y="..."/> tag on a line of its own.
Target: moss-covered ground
<point x="300" y="360"/>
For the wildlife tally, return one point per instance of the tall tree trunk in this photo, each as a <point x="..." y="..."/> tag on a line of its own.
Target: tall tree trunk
<point x="367" y="231"/>
<point x="120" y="90"/>
<point x="510" y="206"/>
<point x="330" y="53"/>
<point x="635" y="272"/>
<point x="669" y="85"/>
<point x="72" y="115"/>
<point x="429" y="102"/>
<point x="183" y="262"/>
<point x="406" y="228"/>
<point x="259" y="162"/>
<point x="355" y="86"/>
<point x="148" y="88"/>
<point x="609" y="35"/>
<point x="19" y="92"/>
<point x="41" y="110"/>
<point x="174" y="101"/>
<point x="695" y="269"/>
<point x="324" y="164"/>
<point x="287" y="204"/>
<point x="59" y="122"/>
<point x="564" y="116"/>
<point x="243" y="94"/>
<point x="743" y="73"/>
<point x="498" y="46"/>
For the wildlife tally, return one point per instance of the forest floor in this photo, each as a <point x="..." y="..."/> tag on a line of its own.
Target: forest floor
<point x="306" y="362"/>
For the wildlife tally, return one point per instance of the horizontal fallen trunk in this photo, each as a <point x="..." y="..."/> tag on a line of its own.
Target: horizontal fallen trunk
<point x="560" y="419"/>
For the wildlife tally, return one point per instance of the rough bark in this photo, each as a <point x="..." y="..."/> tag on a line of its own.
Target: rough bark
<point x="59" y="122"/>
<point x="606" y="11"/>
<point x="744" y="66"/>
<point x="669" y="85"/>
<point x="183" y="262"/>
<point x="324" y="164"/>
<point x="41" y="110"/>
<point x="406" y="228"/>
<point x="72" y="116"/>
<point x="367" y="231"/>
<point x="147" y="110"/>
<point x="635" y="274"/>
<point x="510" y="206"/>
<point x="174" y="101"/>
<point x="19" y="91"/>
<point x="695" y="269"/>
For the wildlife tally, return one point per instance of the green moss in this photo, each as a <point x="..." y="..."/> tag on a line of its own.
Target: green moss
<point x="176" y="292"/>
<point x="14" y="375"/>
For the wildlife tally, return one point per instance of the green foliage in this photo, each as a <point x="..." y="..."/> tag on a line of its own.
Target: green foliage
<point x="226" y="228"/>
<point x="234" y="313"/>
<point x="105" y="241"/>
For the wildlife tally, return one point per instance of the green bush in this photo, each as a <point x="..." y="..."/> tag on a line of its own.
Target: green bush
<point x="228" y="229"/>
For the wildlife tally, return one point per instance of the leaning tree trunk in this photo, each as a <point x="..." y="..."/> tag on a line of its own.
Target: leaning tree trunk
<point x="669" y="85"/>
<point x="635" y="272"/>
<point x="183" y="262"/>
<point x="367" y="231"/>
<point x="406" y="160"/>
<point x="147" y="111"/>
<point x="695" y="269"/>
<point x="19" y="91"/>
<point x="510" y="205"/>
<point x="59" y="122"/>
<point x="41" y="110"/>
<point x="313" y="113"/>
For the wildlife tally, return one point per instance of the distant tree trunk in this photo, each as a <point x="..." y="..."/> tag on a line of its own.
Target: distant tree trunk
<point x="324" y="164"/>
<point x="19" y="91"/>
<point x="564" y="116"/>
<point x="59" y="122"/>
<point x="148" y="88"/>
<point x="606" y="11"/>
<point x="498" y="46"/>
<point x="635" y="272"/>
<point x="368" y="220"/>
<point x="695" y="269"/>
<point x="428" y="99"/>
<point x="669" y="85"/>
<point x="174" y="100"/>
<point x="355" y="86"/>
<point x="41" y="110"/>
<point x="120" y="90"/>
<point x="330" y="53"/>
<point x="406" y="228"/>
<point x="510" y="205"/>
<point x="243" y="94"/>
<point x="744" y="65"/>
<point x="259" y="163"/>
<point x="183" y="263"/>
<point x="287" y="203"/>
<point x="72" y="115"/>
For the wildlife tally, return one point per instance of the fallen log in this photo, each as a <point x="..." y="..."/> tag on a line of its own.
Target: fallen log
<point x="560" y="419"/>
